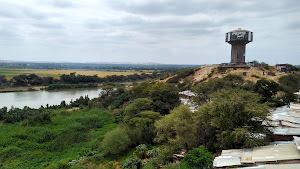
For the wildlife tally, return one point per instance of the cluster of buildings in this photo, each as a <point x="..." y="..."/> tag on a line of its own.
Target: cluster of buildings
<point x="283" y="152"/>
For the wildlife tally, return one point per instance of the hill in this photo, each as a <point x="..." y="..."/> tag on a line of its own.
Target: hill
<point x="204" y="73"/>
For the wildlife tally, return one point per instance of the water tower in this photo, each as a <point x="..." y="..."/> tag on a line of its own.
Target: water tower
<point x="238" y="40"/>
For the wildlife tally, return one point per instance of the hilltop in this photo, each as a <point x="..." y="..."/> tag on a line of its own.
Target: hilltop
<point x="204" y="73"/>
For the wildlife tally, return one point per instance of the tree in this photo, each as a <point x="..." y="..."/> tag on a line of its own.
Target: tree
<point x="137" y="106"/>
<point x="177" y="128"/>
<point x="266" y="88"/>
<point x="133" y="162"/>
<point x="3" y="79"/>
<point x="236" y="117"/>
<point x="205" y="89"/>
<point x="144" y="124"/>
<point x="198" y="158"/>
<point x="165" y="97"/>
<point x="115" y="142"/>
<point x="290" y="83"/>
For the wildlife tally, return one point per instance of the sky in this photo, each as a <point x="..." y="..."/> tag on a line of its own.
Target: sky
<point x="143" y="31"/>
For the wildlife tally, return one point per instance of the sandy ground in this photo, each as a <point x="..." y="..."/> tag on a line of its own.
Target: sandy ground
<point x="203" y="72"/>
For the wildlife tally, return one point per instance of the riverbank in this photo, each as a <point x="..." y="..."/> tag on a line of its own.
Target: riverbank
<point x="50" y="87"/>
<point x="21" y="89"/>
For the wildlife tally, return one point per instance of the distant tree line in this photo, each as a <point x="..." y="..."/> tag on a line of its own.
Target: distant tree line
<point x="95" y="66"/>
<point x="35" y="80"/>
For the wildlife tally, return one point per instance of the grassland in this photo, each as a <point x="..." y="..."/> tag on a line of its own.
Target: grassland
<point x="10" y="73"/>
<point x="68" y="136"/>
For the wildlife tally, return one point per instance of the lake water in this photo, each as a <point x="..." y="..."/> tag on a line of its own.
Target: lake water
<point x="35" y="99"/>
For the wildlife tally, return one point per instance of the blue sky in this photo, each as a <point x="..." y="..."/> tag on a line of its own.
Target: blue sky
<point x="160" y="31"/>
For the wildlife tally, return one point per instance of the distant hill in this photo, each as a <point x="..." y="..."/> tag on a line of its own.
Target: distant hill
<point x="94" y="66"/>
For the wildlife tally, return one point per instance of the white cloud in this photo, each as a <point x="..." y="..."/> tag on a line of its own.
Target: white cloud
<point x="163" y="31"/>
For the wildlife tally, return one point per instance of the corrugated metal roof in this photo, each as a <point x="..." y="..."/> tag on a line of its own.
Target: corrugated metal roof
<point x="289" y="118"/>
<point x="297" y="142"/>
<point x="282" y="166"/>
<point x="287" y="131"/>
<point x="258" y="154"/>
<point x="290" y="124"/>
<point x="224" y="161"/>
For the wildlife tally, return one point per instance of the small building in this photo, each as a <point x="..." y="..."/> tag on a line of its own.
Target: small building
<point x="285" y="122"/>
<point x="252" y="64"/>
<point x="281" y="67"/>
<point x="274" y="154"/>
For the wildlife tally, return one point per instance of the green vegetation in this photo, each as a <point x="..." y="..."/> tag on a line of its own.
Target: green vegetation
<point x="197" y="158"/>
<point x="53" y="140"/>
<point x="233" y="119"/>
<point x="181" y="75"/>
<point x="290" y="83"/>
<point x="140" y="126"/>
<point x="177" y="128"/>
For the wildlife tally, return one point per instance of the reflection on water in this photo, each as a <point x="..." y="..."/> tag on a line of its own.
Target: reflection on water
<point x="35" y="99"/>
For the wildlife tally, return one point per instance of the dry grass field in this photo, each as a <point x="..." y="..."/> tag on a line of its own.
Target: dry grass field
<point x="9" y="73"/>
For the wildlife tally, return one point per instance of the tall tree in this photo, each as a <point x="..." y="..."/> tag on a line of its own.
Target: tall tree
<point x="236" y="117"/>
<point x="177" y="128"/>
<point x="266" y="88"/>
<point x="165" y="97"/>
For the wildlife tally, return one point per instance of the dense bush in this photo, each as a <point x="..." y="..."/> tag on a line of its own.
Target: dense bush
<point x="181" y="75"/>
<point x="115" y="142"/>
<point x="290" y="83"/>
<point x="197" y="158"/>
<point x="133" y="163"/>
<point x="51" y="138"/>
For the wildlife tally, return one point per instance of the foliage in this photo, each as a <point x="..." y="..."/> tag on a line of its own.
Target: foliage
<point x="141" y="151"/>
<point x="177" y="128"/>
<point x="266" y="88"/>
<point x="236" y="117"/>
<point x="143" y="124"/>
<point x="115" y="142"/>
<point x="292" y="68"/>
<point x="137" y="106"/>
<point x="133" y="163"/>
<point x="165" y="97"/>
<point x="234" y="78"/>
<point x="50" y="139"/>
<point x="111" y="97"/>
<point x="181" y="75"/>
<point x="140" y="90"/>
<point x="290" y="83"/>
<point x="32" y="79"/>
<point x="3" y="79"/>
<point x="197" y="158"/>
<point x="153" y="153"/>
<point x="70" y="86"/>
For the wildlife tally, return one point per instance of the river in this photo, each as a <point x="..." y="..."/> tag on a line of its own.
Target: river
<point x="35" y="99"/>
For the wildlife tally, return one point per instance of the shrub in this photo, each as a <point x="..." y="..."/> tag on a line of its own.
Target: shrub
<point x="197" y="158"/>
<point x="132" y="162"/>
<point x="141" y="151"/>
<point x="115" y="142"/>
<point x="255" y="76"/>
<point x="153" y="153"/>
<point x="10" y="152"/>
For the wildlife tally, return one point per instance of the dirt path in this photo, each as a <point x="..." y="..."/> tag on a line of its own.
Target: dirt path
<point x="203" y="72"/>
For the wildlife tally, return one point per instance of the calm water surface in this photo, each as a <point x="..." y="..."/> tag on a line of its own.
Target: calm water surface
<point x="35" y="99"/>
